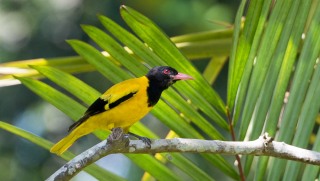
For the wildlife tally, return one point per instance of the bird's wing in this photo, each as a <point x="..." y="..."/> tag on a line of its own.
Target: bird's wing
<point x="111" y="98"/>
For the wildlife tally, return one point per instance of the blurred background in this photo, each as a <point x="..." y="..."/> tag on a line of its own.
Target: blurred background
<point x="32" y="29"/>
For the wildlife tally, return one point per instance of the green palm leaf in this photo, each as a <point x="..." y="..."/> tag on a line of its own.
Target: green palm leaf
<point x="268" y="62"/>
<point x="272" y="54"/>
<point x="93" y="169"/>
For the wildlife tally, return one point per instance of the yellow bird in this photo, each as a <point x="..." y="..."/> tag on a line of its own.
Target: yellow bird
<point x="122" y="105"/>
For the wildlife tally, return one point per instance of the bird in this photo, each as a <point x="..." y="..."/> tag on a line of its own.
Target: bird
<point x="122" y="105"/>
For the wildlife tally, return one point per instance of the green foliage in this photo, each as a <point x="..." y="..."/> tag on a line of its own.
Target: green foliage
<point x="268" y="60"/>
<point x="273" y="70"/>
<point x="93" y="169"/>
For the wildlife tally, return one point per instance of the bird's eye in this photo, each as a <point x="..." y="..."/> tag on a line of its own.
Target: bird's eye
<point x="166" y="71"/>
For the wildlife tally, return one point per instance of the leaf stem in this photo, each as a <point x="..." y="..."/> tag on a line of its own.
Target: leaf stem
<point x="242" y="176"/>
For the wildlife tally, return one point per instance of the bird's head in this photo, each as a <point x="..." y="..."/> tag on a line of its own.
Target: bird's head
<point x="165" y="76"/>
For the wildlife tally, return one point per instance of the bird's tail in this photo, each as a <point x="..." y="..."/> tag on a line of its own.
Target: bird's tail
<point x="67" y="141"/>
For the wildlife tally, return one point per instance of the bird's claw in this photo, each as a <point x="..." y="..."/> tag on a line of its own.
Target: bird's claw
<point x="146" y="140"/>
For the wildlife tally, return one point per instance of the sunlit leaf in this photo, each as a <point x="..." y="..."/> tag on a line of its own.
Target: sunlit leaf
<point x="59" y="100"/>
<point x="167" y="51"/>
<point x="306" y="122"/>
<point x="70" y="83"/>
<point x="93" y="169"/>
<point x="214" y="68"/>
<point x="299" y="88"/>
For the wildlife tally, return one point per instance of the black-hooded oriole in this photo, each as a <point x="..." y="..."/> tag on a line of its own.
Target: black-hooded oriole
<point x="122" y="105"/>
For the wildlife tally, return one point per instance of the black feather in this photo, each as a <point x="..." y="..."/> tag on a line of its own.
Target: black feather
<point x="154" y="93"/>
<point x="98" y="107"/>
<point x="122" y="99"/>
<point x="95" y="108"/>
<point x="160" y="78"/>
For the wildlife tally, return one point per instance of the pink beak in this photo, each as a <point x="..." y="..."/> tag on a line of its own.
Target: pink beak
<point x="181" y="76"/>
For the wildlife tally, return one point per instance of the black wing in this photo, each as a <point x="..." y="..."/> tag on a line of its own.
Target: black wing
<point x="99" y="106"/>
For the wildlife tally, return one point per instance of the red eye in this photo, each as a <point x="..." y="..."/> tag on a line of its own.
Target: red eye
<point x="166" y="71"/>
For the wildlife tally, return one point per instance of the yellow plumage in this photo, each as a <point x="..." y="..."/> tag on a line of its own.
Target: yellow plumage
<point x="123" y="115"/>
<point x="122" y="105"/>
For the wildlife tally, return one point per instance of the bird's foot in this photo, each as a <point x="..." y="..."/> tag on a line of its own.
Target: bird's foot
<point x="146" y="140"/>
<point x="117" y="136"/>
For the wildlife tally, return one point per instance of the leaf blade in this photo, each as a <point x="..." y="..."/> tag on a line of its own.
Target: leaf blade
<point x="165" y="49"/>
<point x="93" y="169"/>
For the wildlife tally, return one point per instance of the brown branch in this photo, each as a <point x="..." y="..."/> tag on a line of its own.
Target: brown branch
<point x="118" y="142"/>
<point x="233" y="136"/>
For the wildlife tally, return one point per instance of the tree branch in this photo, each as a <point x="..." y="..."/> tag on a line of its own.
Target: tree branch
<point x="118" y="142"/>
